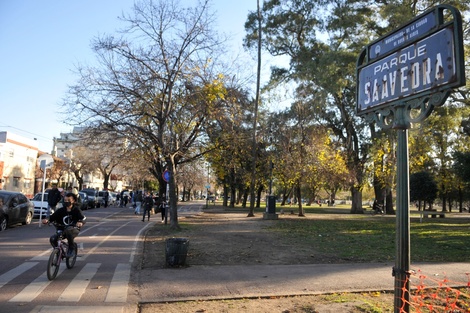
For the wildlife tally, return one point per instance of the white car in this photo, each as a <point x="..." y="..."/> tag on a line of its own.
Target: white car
<point x="38" y="205"/>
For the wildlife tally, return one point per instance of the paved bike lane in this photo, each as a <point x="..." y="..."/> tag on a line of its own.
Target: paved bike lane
<point x="222" y="282"/>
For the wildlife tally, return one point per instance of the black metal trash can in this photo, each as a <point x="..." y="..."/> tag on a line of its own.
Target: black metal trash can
<point x="176" y="250"/>
<point x="271" y="204"/>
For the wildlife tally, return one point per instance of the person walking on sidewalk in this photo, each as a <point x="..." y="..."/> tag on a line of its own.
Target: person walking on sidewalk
<point x="163" y="206"/>
<point x="138" y="202"/>
<point x="147" y="204"/>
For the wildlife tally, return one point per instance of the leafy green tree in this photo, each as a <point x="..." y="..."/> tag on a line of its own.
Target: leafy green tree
<point x="423" y="187"/>
<point x="323" y="68"/>
<point x="322" y="41"/>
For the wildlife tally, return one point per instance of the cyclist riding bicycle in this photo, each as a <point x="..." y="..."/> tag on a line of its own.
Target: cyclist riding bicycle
<point x="69" y="219"/>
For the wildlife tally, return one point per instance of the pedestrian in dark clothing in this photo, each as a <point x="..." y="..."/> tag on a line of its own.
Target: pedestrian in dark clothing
<point x="163" y="208"/>
<point x="147" y="204"/>
<point x="106" y="198"/>
<point x="53" y="198"/>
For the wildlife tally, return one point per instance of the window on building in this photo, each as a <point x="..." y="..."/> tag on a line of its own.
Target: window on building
<point x="11" y="153"/>
<point x="16" y="182"/>
<point x="27" y="183"/>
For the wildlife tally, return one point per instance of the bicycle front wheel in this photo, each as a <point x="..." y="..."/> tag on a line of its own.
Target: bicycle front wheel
<point x="53" y="264"/>
<point x="70" y="262"/>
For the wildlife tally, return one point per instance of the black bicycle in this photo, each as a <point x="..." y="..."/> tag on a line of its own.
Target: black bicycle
<point x="59" y="253"/>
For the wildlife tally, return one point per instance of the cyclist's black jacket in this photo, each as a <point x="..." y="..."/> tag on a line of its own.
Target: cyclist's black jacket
<point x="63" y="218"/>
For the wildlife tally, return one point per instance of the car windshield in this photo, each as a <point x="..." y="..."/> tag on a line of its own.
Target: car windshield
<point x="38" y="197"/>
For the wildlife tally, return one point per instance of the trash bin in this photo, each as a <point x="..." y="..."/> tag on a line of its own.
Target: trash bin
<point x="271" y="204"/>
<point x="176" y="250"/>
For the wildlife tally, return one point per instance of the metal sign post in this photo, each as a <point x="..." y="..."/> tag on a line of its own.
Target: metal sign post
<point x="166" y="177"/>
<point x="401" y="78"/>
<point x="45" y="161"/>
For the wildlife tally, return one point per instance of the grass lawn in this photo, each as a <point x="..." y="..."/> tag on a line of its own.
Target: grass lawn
<point x="368" y="238"/>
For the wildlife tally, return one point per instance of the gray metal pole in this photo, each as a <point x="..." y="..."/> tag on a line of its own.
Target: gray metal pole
<point x="402" y="258"/>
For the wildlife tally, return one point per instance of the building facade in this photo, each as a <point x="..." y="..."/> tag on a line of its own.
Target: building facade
<point x="18" y="161"/>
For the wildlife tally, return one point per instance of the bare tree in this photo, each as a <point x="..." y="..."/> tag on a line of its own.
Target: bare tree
<point x="157" y="85"/>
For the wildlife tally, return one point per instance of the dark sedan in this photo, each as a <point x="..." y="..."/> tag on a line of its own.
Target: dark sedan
<point x="14" y="208"/>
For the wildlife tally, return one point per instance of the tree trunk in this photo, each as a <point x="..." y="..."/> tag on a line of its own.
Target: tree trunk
<point x="389" y="203"/>
<point x="444" y="203"/>
<point x="460" y="199"/>
<point x="225" y="193"/>
<point x="245" y="197"/>
<point x="258" y="200"/>
<point x="356" y="205"/>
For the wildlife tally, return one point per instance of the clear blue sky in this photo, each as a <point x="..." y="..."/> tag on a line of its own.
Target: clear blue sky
<point x="41" y="41"/>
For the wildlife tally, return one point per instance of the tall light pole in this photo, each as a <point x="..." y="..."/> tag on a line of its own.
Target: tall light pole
<point x="208" y="185"/>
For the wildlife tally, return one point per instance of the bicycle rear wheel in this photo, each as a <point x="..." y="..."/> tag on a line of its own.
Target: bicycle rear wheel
<point x="53" y="264"/>
<point x="70" y="262"/>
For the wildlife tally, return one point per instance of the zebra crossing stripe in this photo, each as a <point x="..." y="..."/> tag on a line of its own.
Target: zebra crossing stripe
<point x="30" y="292"/>
<point x="17" y="271"/>
<point x="78" y="285"/>
<point x="117" y="291"/>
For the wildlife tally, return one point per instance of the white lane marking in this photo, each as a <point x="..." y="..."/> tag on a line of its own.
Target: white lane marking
<point x="42" y="257"/>
<point x="92" y="250"/>
<point x="78" y="285"/>
<point x="136" y="241"/>
<point x="117" y="291"/>
<point x="30" y="292"/>
<point x="17" y="271"/>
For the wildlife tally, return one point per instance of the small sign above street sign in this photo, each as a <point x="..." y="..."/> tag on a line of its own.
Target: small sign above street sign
<point x="402" y="36"/>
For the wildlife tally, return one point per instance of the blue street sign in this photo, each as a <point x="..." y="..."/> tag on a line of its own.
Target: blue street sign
<point x="166" y="176"/>
<point x="423" y="65"/>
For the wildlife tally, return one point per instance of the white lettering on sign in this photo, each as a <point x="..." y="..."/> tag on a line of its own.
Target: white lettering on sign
<point x="412" y="77"/>
<point x="401" y="59"/>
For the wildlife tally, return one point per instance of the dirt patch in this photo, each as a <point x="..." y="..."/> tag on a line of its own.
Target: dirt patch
<point x="232" y="238"/>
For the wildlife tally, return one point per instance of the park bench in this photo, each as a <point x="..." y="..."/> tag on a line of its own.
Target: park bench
<point x="432" y="213"/>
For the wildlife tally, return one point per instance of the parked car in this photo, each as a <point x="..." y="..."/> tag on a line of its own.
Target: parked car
<point x="92" y="198"/>
<point x="112" y="198"/>
<point x="14" y="208"/>
<point x="84" y="201"/>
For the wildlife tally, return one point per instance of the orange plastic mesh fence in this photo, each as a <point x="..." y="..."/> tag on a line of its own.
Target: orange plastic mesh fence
<point x="430" y="294"/>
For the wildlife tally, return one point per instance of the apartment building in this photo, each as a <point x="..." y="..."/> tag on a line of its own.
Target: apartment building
<point x="63" y="147"/>
<point x="18" y="159"/>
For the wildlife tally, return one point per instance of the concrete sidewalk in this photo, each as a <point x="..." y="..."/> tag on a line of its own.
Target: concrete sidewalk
<point x="243" y="281"/>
